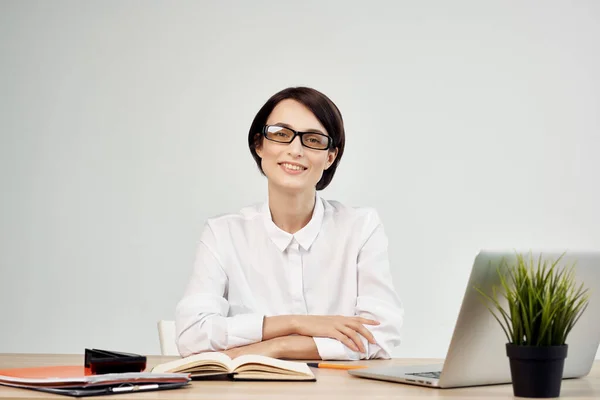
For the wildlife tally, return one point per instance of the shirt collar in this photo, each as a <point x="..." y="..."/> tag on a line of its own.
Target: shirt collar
<point x="305" y="236"/>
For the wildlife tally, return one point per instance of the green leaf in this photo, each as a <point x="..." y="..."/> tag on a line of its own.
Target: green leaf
<point x="544" y="301"/>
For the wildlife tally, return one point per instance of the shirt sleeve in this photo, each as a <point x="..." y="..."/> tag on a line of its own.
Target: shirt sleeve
<point x="377" y="299"/>
<point x="201" y="319"/>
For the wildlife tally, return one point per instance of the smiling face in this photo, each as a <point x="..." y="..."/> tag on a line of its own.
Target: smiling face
<point x="292" y="166"/>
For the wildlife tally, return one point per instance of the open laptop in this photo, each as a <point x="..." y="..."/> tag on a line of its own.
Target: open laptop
<point x="477" y="352"/>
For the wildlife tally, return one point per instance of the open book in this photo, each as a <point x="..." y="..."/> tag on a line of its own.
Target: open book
<point x="251" y="367"/>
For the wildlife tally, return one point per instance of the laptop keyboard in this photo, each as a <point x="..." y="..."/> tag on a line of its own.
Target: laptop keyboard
<point x="433" y="374"/>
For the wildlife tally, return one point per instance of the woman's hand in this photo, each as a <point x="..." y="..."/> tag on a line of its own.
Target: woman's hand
<point x="347" y="330"/>
<point x="286" y="347"/>
<point x="269" y="348"/>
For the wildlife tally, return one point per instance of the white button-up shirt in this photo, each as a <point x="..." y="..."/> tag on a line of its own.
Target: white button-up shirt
<point x="247" y="268"/>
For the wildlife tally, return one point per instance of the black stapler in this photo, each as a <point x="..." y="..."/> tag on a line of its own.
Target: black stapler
<point x="109" y="362"/>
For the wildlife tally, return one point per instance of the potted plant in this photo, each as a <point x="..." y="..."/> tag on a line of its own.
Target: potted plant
<point x="543" y="303"/>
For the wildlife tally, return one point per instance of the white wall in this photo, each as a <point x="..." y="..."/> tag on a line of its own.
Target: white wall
<point x="123" y="127"/>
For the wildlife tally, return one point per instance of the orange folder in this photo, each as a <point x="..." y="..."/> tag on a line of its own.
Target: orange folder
<point x="51" y="373"/>
<point x="78" y="381"/>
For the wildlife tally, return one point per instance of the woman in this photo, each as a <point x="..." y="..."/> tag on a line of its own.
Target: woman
<point x="298" y="276"/>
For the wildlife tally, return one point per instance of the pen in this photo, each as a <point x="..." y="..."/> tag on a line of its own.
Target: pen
<point x="134" y="388"/>
<point x="335" y="366"/>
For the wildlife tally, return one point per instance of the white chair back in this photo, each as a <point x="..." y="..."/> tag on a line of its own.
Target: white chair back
<point x="166" y="337"/>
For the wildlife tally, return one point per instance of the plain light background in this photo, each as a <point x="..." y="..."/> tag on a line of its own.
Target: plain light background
<point x="123" y="126"/>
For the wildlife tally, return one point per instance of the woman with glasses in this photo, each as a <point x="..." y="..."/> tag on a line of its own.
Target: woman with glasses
<point x="297" y="276"/>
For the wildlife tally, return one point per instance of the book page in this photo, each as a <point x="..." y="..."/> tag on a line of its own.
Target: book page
<point x="195" y="361"/>
<point x="258" y="360"/>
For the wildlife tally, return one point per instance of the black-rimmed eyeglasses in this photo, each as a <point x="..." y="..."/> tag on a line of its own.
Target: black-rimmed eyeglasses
<point x="312" y="140"/>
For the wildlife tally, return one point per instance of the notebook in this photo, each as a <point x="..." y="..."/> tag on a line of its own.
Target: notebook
<point x="248" y="367"/>
<point x="78" y="381"/>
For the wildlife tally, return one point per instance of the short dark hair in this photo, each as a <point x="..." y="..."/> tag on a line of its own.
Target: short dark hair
<point x="324" y="110"/>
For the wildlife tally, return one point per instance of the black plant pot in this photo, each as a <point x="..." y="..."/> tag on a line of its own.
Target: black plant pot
<point x="536" y="371"/>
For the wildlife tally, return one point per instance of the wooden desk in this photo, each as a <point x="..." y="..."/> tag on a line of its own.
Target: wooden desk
<point x="331" y="385"/>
